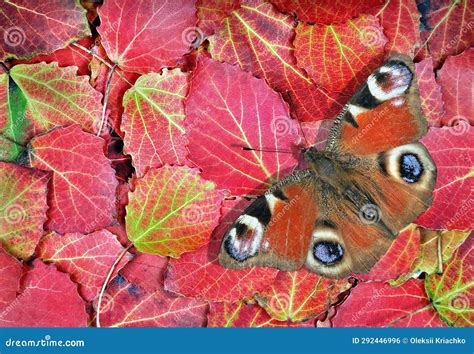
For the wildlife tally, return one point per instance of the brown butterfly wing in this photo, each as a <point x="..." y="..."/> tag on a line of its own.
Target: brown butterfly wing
<point x="275" y="230"/>
<point x="362" y="218"/>
<point x="385" y="179"/>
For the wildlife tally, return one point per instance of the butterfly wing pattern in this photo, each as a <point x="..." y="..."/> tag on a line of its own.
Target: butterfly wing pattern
<point x="340" y="215"/>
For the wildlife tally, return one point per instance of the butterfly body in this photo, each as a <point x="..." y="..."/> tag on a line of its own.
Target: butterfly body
<point x="340" y="215"/>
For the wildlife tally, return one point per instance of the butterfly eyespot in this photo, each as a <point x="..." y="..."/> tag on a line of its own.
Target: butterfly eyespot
<point x="327" y="252"/>
<point x="411" y="168"/>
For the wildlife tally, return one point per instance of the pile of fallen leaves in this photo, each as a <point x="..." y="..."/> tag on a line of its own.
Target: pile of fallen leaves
<point x="121" y="134"/>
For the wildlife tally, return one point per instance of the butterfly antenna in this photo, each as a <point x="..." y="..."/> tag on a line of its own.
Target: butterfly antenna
<point x="245" y="148"/>
<point x="293" y="108"/>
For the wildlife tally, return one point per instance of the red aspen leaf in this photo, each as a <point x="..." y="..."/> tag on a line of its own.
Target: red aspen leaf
<point x="325" y="11"/>
<point x="340" y="57"/>
<point x="432" y="101"/>
<point x="86" y="258"/>
<point x="199" y="274"/>
<point x="453" y="154"/>
<point x="299" y="296"/>
<point x="10" y="272"/>
<point x="224" y="314"/>
<point x="455" y="78"/>
<point x="48" y="299"/>
<point x="400" y="22"/>
<point x="259" y="39"/>
<point x="153" y="120"/>
<point x="431" y="244"/>
<point x="211" y="13"/>
<point x="22" y="208"/>
<point x="82" y="188"/>
<point x="172" y="211"/>
<point x="69" y="56"/>
<point x="377" y="304"/>
<point x="146" y="36"/>
<point x="452" y="292"/>
<point x="121" y="82"/>
<point x="54" y="97"/>
<point x="228" y="109"/>
<point x="32" y="28"/>
<point x="448" y="28"/>
<point x="146" y="271"/>
<point x="127" y="305"/>
<point x="399" y="258"/>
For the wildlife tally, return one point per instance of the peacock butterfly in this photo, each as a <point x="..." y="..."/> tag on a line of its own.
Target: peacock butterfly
<point x="340" y="215"/>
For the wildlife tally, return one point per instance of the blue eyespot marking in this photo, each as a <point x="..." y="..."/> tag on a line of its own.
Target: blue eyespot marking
<point x="411" y="168"/>
<point x="328" y="253"/>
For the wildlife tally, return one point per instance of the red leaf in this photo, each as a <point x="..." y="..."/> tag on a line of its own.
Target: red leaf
<point x="146" y="271"/>
<point x="86" y="258"/>
<point x="211" y="13"/>
<point x="49" y="299"/>
<point x="69" y="56"/>
<point x="455" y="78"/>
<point x="127" y="305"/>
<point x="325" y="11"/>
<point x="340" y="57"/>
<point x="453" y="154"/>
<point x="430" y="92"/>
<point x="222" y="314"/>
<point x="398" y="259"/>
<point x="380" y="305"/>
<point x="400" y="22"/>
<point x="22" y="208"/>
<point x="448" y="28"/>
<point x="121" y="82"/>
<point x="172" y="211"/>
<point x="199" y="274"/>
<point x="228" y="109"/>
<point x="10" y="272"/>
<point x="153" y="120"/>
<point x="32" y="28"/>
<point x="299" y="296"/>
<point x="146" y="36"/>
<point x="259" y="39"/>
<point x="82" y="189"/>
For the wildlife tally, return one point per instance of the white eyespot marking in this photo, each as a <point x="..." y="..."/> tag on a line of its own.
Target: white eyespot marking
<point x="356" y="110"/>
<point x="398" y="102"/>
<point x="398" y="78"/>
<point x="266" y="246"/>
<point x="271" y="201"/>
<point x="241" y="248"/>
